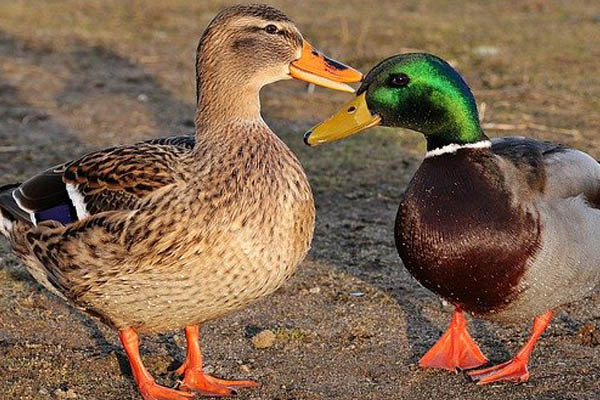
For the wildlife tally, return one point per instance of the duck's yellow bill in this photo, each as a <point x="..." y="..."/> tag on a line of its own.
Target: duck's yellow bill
<point x="314" y="67"/>
<point x="353" y="118"/>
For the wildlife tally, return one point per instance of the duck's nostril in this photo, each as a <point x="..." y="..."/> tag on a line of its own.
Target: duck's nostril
<point x="306" y="136"/>
<point x="351" y="109"/>
<point x="335" y="64"/>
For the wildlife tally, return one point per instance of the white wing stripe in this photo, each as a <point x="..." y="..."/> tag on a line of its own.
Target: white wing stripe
<point x="5" y="225"/>
<point x="22" y="207"/>
<point x="78" y="201"/>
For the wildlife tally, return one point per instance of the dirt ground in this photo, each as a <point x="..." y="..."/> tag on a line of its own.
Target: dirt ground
<point x="352" y="323"/>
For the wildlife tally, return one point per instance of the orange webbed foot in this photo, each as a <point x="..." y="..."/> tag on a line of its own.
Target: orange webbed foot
<point x="455" y="349"/>
<point x="148" y="388"/>
<point x="198" y="382"/>
<point x="514" y="370"/>
<point x="153" y="391"/>
<point x="194" y="378"/>
<point x="232" y="384"/>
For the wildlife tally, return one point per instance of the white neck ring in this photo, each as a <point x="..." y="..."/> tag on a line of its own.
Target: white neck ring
<point x="454" y="147"/>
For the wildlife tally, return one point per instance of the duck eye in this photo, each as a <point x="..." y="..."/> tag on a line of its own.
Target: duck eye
<point x="399" y="80"/>
<point x="271" y="29"/>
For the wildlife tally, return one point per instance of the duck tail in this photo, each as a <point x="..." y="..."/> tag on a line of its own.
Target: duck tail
<point x="6" y="218"/>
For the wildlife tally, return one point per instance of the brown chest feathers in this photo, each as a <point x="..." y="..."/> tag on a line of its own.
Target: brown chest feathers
<point x="460" y="234"/>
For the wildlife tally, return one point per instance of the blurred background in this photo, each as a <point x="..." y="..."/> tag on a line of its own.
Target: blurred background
<point x="81" y="75"/>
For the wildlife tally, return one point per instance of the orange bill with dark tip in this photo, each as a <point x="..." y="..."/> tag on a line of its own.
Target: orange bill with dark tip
<point x="314" y="67"/>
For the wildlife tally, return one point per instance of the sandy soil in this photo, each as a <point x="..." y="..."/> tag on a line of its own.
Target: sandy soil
<point x="352" y="323"/>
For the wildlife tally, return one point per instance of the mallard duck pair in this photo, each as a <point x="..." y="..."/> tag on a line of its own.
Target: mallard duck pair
<point x="173" y="232"/>
<point x="505" y="228"/>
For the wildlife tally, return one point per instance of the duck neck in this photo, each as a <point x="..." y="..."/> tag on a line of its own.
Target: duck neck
<point x="457" y="124"/>
<point x="225" y="92"/>
<point x="457" y="136"/>
<point x="221" y="101"/>
<point x="458" y="129"/>
<point x="447" y="111"/>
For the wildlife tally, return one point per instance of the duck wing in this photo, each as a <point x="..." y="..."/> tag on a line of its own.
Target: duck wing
<point x="553" y="170"/>
<point x="563" y="193"/>
<point x="107" y="180"/>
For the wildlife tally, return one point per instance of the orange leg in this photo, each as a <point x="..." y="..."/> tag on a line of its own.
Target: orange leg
<point x="455" y="349"/>
<point x="148" y="388"/>
<point x="516" y="369"/>
<point x="195" y="379"/>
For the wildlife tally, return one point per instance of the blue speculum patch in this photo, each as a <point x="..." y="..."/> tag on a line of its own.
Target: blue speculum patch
<point x="64" y="214"/>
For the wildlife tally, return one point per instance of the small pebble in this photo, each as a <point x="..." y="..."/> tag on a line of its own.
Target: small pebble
<point x="486" y="51"/>
<point x="315" y="290"/>
<point x="65" y="394"/>
<point x="264" y="339"/>
<point x="589" y="334"/>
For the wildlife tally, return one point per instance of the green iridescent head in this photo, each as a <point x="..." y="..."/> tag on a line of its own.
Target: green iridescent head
<point x="415" y="91"/>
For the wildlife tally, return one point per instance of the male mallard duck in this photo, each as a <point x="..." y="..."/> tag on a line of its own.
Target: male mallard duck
<point x="505" y="229"/>
<point x="173" y="232"/>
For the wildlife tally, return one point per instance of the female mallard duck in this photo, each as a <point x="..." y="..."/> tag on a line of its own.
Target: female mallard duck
<point x="505" y="228"/>
<point x="173" y="232"/>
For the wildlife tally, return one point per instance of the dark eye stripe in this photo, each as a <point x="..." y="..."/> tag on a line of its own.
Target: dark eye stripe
<point x="291" y="36"/>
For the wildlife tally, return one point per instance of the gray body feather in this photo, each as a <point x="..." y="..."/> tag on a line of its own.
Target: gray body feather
<point x="566" y="266"/>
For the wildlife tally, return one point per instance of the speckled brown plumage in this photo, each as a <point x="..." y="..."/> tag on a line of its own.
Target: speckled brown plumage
<point x="217" y="235"/>
<point x="180" y="230"/>
<point x="173" y="232"/>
